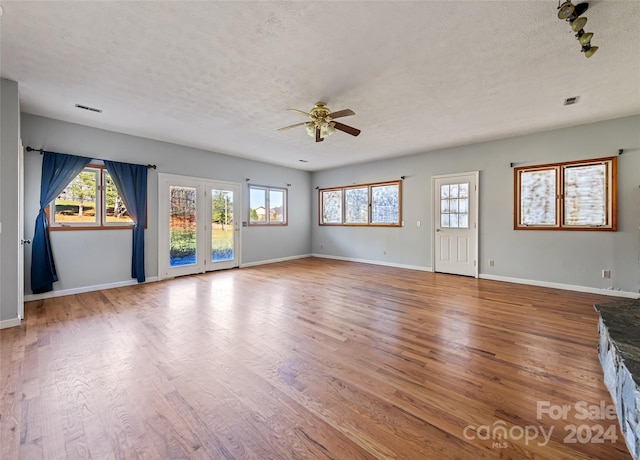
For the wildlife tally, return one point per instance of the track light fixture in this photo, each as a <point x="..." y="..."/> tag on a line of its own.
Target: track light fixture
<point x="578" y="24"/>
<point x="573" y="15"/>
<point x="589" y="50"/>
<point x="584" y="38"/>
<point x="565" y="10"/>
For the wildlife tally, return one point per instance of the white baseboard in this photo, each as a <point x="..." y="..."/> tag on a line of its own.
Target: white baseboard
<point x="80" y="290"/>
<point x="273" y="261"/>
<point x="564" y="287"/>
<point x="375" y="262"/>
<point x="13" y="322"/>
<point x="151" y="279"/>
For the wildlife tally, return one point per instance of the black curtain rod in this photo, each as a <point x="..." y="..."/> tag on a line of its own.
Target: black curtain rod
<point x="31" y="149"/>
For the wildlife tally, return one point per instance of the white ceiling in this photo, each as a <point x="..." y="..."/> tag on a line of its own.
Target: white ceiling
<point x="420" y="75"/>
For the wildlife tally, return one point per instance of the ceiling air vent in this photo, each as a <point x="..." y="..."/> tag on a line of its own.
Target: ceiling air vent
<point x="86" y="107"/>
<point x="571" y="100"/>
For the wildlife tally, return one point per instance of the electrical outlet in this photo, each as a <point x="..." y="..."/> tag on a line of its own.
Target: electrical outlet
<point x="491" y="263"/>
<point x="606" y="273"/>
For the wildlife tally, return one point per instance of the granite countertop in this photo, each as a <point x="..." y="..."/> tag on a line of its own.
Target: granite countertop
<point x="622" y="320"/>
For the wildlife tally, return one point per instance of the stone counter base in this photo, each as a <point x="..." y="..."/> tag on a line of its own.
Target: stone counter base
<point x="618" y="366"/>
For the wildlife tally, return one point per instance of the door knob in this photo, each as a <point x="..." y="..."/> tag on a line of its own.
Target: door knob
<point x="25" y="242"/>
<point x="437" y="229"/>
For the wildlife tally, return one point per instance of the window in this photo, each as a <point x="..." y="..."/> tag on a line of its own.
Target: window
<point x="115" y="211"/>
<point x="267" y="205"/>
<point x="454" y="205"/>
<point x="331" y="201"/>
<point x="90" y="202"/>
<point x="579" y="195"/>
<point x="356" y="209"/>
<point x="365" y="204"/>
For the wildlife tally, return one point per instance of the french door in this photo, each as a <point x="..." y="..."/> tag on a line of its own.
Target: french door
<point x="455" y="237"/>
<point x="198" y="225"/>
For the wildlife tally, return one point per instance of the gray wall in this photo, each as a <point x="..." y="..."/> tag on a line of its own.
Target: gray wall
<point x="566" y="257"/>
<point x="573" y="258"/>
<point x="9" y="144"/>
<point x="90" y="258"/>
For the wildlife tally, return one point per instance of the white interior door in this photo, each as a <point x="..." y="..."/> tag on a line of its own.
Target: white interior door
<point x="197" y="229"/>
<point x="455" y="238"/>
<point x="22" y="241"/>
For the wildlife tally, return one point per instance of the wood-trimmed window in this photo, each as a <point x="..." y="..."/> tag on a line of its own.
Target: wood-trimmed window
<point x="576" y="195"/>
<point x="91" y="201"/>
<point x="377" y="204"/>
<point x="267" y="205"/>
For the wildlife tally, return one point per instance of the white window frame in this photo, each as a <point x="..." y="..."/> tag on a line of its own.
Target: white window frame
<point x="267" y="196"/>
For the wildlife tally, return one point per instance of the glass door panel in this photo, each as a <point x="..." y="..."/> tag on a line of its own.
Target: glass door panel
<point x="182" y="225"/>
<point x="181" y="238"/>
<point x="224" y="229"/>
<point x="454" y="205"/>
<point x="222" y="225"/>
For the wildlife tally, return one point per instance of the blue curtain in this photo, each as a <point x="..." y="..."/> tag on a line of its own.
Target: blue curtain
<point x="58" y="169"/>
<point x="131" y="182"/>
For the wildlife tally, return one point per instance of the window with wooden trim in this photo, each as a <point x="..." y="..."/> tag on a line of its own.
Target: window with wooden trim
<point x="376" y="204"/>
<point x="577" y="195"/>
<point x="91" y="201"/>
<point x="267" y="205"/>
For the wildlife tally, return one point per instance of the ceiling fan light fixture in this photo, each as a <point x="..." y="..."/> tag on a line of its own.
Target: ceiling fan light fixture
<point x="565" y="10"/>
<point x="327" y="129"/>
<point x="578" y="24"/>
<point x="311" y="129"/>
<point x="321" y="122"/>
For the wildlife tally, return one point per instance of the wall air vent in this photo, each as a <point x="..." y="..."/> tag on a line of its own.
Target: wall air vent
<point x="86" y="107"/>
<point x="571" y="100"/>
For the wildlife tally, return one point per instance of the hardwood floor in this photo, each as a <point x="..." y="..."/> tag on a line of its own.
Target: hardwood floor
<point x="310" y="358"/>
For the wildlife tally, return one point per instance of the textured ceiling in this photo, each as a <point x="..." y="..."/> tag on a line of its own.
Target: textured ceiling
<point x="419" y="75"/>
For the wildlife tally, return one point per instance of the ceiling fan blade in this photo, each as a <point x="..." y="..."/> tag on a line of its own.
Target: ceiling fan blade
<point x="292" y="126"/>
<point x="318" y="138"/>
<point x="300" y="112"/>
<point x="341" y="113"/>
<point x="346" y="129"/>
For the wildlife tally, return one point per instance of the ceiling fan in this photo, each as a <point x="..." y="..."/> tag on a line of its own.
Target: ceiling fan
<point x="322" y="124"/>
